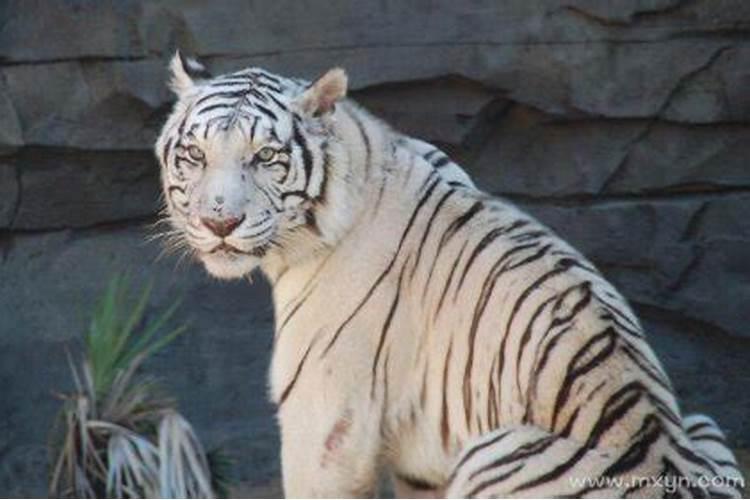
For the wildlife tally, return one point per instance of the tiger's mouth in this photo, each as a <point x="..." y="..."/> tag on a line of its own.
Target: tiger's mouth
<point x="226" y="261"/>
<point x="224" y="249"/>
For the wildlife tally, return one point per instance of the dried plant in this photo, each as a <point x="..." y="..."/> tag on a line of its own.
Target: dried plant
<point x="118" y="436"/>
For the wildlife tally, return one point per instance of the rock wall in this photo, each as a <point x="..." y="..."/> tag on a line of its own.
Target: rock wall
<point x="623" y="125"/>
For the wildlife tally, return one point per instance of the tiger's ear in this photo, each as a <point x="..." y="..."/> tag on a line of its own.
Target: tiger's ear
<point x="186" y="73"/>
<point x="320" y="98"/>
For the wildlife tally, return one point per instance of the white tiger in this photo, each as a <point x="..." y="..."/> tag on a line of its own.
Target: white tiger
<point x="421" y="325"/>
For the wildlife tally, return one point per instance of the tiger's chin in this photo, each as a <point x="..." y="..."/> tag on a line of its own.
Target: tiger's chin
<point x="227" y="266"/>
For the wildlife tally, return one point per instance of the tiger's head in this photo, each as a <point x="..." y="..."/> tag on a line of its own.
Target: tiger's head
<point x="251" y="165"/>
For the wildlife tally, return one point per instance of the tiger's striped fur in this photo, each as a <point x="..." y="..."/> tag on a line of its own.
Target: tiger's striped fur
<point x="421" y="324"/>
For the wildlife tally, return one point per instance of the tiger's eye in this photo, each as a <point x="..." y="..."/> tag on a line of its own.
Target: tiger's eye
<point x="195" y="153"/>
<point x="266" y="154"/>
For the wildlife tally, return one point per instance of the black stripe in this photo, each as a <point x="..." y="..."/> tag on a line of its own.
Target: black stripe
<point x="560" y="267"/>
<point x="615" y="309"/>
<point x="492" y="399"/>
<point x="292" y="313"/>
<point x="447" y="235"/>
<point x="301" y="194"/>
<point x="497" y="479"/>
<point x="266" y="111"/>
<point x="181" y="127"/>
<point x="527" y="335"/>
<point x="290" y="385"/>
<point x="568" y="427"/>
<point x="585" y="288"/>
<point x="221" y="95"/>
<point x="460" y="222"/>
<point x="307" y="289"/>
<point x="272" y="88"/>
<point x="441" y="162"/>
<point x="252" y="128"/>
<point x="430" y="154"/>
<point x="428" y="228"/>
<point x="555" y="473"/>
<point x="504" y="258"/>
<point x="280" y="104"/>
<point x="725" y="463"/>
<point x="525" y="451"/>
<point x="473" y="451"/>
<point x="444" y="417"/>
<point x="542" y="363"/>
<point x="165" y="152"/>
<point x="485" y="241"/>
<point x="258" y="95"/>
<point x="213" y="107"/>
<point x="612" y="411"/>
<point x="323" y="189"/>
<point x="229" y="82"/>
<point x="698" y="426"/>
<point x="573" y="372"/>
<point x="307" y="160"/>
<point x="448" y="282"/>
<point x="635" y="454"/>
<point x="647" y="368"/>
<point x="691" y="456"/>
<point x="709" y="437"/>
<point x="386" y="327"/>
<point x="365" y="138"/>
<point x="529" y="235"/>
<point x="388" y="268"/>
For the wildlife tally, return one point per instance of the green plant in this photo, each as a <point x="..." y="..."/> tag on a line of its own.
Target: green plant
<point x="118" y="434"/>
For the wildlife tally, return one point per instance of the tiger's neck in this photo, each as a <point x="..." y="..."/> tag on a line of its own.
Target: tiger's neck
<point x="362" y="149"/>
<point x="381" y="178"/>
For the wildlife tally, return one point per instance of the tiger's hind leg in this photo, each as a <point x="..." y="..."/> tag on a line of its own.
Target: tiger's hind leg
<point x="528" y="461"/>
<point x="710" y="443"/>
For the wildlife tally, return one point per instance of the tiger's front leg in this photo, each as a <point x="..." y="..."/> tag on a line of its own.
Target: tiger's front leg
<point x="330" y="442"/>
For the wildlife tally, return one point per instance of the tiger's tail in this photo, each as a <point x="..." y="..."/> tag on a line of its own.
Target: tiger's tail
<point x="709" y="442"/>
<point x="525" y="461"/>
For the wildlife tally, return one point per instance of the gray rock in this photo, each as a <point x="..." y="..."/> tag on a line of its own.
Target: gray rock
<point x="621" y="13"/>
<point x="136" y="28"/>
<point x="526" y="153"/>
<point x="92" y="105"/>
<point x="11" y="133"/>
<point x="75" y="189"/>
<point x="78" y="29"/>
<point x="532" y="154"/>
<point x="8" y="194"/>
<point x="712" y="287"/>
<point x="677" y="158"/>
<point x="445" y="110"/>
<point x="717" y="92"/>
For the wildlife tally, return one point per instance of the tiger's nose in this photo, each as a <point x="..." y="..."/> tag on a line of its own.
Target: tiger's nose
<point x="222" y="227"/>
